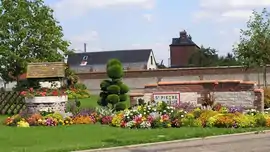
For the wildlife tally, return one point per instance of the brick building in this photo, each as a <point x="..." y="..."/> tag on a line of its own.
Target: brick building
<point x="181" y="50"/>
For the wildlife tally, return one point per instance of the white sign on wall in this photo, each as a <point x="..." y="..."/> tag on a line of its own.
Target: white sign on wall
<point x="168" y="97"/>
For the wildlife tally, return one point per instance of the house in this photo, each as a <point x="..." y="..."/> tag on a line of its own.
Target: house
<point x="96" y="61"/>
<point x="181" y="50"/>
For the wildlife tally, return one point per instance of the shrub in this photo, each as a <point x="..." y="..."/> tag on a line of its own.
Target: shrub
<point x="266" y="97"/>
<point x="114" y="90"/>
<point x="260" y="119"/>
<point x="225" y="121"/>
<point x="244" y="121"/>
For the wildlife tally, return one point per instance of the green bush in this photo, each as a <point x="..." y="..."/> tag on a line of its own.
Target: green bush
<point x="115" y="72"/>
<point x="113" y="62"/>
<point x="80" y="86"/>
<point x="124" y="88"/>
<point x="123" y="97"/>
<point x="114" y="91"/>
<point x="113" y="99"/>
<point x="105" y="84"/>
<point x="120" y="106"/>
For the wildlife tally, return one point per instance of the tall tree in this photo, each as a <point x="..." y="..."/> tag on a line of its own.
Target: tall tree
<point x="254" y="47"/>
<point x="28" y="33"/>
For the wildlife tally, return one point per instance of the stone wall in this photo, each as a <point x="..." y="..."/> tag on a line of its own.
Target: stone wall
<point x="227" y="92"/>
<point x="136" y="80"/>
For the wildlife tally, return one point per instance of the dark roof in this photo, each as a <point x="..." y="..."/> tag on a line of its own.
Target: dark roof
<point x="125" y="56"/>
<point x="183" y="40"/>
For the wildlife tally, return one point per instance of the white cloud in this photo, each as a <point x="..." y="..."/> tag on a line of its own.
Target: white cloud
<point x="233" y="4"/>
<point x="148" y="17"/>
<point x="228" y="10"/>
<point x="237" y="14"/>
<point x="75" y="8"/>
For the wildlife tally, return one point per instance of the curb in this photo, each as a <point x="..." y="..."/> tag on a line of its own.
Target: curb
<point x="174" y="141"/>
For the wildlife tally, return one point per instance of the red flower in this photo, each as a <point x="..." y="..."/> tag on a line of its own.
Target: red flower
<point x="23" y="93"/>
<point x="31" y="89"/>
<point x="55" y="93"/>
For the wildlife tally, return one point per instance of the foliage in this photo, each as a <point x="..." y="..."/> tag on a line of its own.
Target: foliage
<point x="72" y="78"/>
<point x="266" y="97"/>
<point x="79" y="91"/>
<point x="114" y="90"/>
<point x="146" y="116"/>
<point x="27" y="83"/>
<point x="206" y="57"/>
<point x="253" y="48"/>
<point x="29" y="33"/>
<point x="42" y="92"/>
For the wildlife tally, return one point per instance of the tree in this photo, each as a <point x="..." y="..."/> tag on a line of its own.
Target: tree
<point x="253" y="50"/>
<point x="28" y="33"/>
<point x="204" y="57"/>
<point x="113" y="91"/>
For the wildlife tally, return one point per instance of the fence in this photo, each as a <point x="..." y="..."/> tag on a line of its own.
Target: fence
<point x="11" y="102"/>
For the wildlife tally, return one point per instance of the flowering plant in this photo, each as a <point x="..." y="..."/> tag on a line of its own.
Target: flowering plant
<point x="30" y="93"/>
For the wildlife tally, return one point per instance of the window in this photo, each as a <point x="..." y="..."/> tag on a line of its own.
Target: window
<point x="151" y="60"/>
<point x="85" y="58"/>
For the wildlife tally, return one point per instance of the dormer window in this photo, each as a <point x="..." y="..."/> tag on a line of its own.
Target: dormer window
<point x="84" y="61"/>
<point x="85" y="58"/>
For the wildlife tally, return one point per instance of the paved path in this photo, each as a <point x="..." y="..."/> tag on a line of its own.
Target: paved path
<point x="239" y="143"/>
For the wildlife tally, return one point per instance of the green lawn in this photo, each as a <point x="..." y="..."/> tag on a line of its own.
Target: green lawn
<point x="78" y="137"/>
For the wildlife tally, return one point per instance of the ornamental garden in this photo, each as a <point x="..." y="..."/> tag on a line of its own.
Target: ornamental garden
<point x="72" y="109"/>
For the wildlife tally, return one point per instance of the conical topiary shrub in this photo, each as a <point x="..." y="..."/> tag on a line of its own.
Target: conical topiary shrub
<point x="114" y="92"/>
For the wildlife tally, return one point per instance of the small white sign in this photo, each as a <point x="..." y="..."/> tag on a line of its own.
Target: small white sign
<point x="168" y="97"/>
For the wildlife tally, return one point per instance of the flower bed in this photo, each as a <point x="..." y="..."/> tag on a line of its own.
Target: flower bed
<point x="149" y="116"/>
<point x="45" y="100"/>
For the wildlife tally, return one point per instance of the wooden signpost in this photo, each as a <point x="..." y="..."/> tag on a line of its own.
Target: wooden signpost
<point x="46" y="70"/>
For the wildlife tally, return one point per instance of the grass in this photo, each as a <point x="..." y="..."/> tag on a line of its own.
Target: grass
<point x="79" y="137"/>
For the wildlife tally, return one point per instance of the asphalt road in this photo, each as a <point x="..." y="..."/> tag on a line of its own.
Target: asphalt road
<point x="241" y="143"/>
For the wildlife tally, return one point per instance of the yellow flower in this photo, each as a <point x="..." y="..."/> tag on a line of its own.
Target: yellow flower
<point x="161" y="120"/>
<point x="169" y="125"/>
<point x="143" y="118"/>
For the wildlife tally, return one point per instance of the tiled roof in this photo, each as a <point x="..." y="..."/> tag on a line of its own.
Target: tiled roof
<point x="101" y="58"/>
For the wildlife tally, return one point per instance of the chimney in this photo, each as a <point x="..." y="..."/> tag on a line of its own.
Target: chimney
<point x="183" y="34"/>
<point x="84" y="47"/>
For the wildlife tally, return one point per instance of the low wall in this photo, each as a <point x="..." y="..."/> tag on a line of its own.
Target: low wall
<point x="227" y="92"/>
<point x="136" y="80"/>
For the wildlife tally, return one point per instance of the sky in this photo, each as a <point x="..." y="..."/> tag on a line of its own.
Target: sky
<point x="151" y="24"/>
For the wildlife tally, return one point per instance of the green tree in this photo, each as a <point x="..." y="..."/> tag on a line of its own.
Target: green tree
<point x="28" y="33"/>
<point x="114" y="91"/>
<point x="204" y="57"/>
<point x="253" y="50"/>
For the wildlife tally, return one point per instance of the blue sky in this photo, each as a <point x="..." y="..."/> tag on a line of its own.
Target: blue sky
<point x="131" y="24"/>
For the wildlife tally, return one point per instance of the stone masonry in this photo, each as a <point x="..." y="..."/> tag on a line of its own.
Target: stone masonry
<point x="227" y="92"/>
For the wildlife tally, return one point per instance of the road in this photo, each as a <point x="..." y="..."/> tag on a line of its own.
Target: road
<point x="241" y="143"/>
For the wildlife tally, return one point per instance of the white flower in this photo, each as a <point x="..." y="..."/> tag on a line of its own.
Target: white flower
<point x="182" y="116"/>
<point x="164" y="110"/>
<point x="144" y="113"/>
<point x="172" y="111"/>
